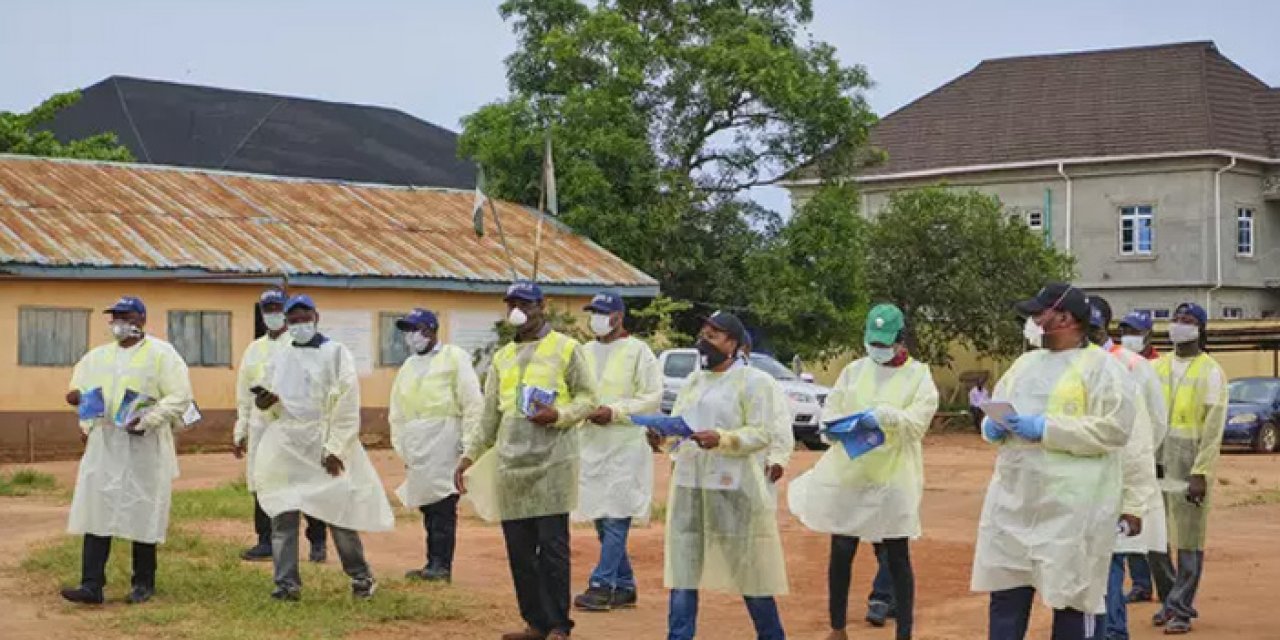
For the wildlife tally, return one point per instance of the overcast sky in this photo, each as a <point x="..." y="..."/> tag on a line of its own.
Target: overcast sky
<point x="441" y="59"/>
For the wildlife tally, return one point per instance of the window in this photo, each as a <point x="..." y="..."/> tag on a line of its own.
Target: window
<point x="1233" y="313"/>
<point x="52" y="337"/>
<point x="680" y="364"/>
<point x="1035" y="219"/>
<point x="1137" y="230"/>
<point x="1244" y="232"/>
<point x="1156" y="314"/>
<point x="392" y="351"/>
<point x="202" y="338"/>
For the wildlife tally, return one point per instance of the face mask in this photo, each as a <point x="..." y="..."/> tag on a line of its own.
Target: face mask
<point x="417" y="342"/>
<point x="881" y="355"/>
<point x="274" y="321"/>
<point x="711" y="356"/>
<point x="517" y="318"/>
<point x="601" y="324"/>
<point x="122" y="330"/>
<point x="1136" y="344"/>
<point x="302" y="332"/>
<point x="1034" y="333"/>
<point x="1183" y="333"/>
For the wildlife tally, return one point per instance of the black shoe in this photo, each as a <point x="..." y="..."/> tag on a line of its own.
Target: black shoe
<point x="1138" y="595"/>
<point x="364" y="589"/>
<point x="257" y="553"/>
<point x="319" y="554"/>
<point x="437" y="574"/>
<point x="595" y="599"/>
<point x="416" y="574"/>
<point x="83" y="595"/>
<point x="623" y="599"/>
<point x="286" y="595"/>
<point x="140" y="594"/>
<point x="877" y="613"/>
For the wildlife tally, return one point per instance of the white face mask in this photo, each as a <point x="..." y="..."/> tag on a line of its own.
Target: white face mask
<point x="517" y="318"/>
<point x="302" y="332"/>
<point x="1136" y="344"/>
<point x="121" y="330"/>
<point x="1183" y="333"/>
<point x="880" y="355"/>
<point x="417" y="342"/>
<point x="274" y="321"/>
<point x="1034" y="333"/>
<point x="601" y="324"/>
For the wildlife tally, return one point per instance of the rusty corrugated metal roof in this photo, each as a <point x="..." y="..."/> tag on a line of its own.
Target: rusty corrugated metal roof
<point x="57" y="213"/>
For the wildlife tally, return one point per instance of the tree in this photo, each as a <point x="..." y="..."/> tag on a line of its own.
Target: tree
<point x="663" y="113"/>
<point x="955" y="265"/>
<point x="20" y="133"/>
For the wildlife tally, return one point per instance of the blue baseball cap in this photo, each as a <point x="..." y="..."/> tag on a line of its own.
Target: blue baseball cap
<point x="1140" y="320"/>
<point x="127" y="304"/>
<point x="1194" y="310"/>
<point x="524" y="290"/>
<point x="301" y="300"/>
<point x="417" y="318"/>
<point x="272" y="296"/>
<point x="606" y="302"/>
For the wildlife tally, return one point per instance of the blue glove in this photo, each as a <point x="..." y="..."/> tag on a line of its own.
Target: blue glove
<point x="992" y="430"/>
<point x="1029" y="428"/>
<point x="868" y="421"/>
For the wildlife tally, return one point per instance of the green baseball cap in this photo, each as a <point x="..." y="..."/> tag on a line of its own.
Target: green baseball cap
<point x="884" y="323"/>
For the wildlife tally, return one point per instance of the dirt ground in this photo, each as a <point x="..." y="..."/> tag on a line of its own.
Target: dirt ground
<point x="1240" y="578"/>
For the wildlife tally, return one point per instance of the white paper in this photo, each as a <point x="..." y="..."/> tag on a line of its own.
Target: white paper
<point x="354" y="330"/>
<point x="192" y="415"/>
<point x="999" y="411"/>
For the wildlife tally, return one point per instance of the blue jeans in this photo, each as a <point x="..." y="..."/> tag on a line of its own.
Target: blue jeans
<point x="1011" y="611"/>
<point x="882" y="585"/>
<point x="1140" y="572"/>
<point x="682" y="618"/>
<point x="614" y="569"/>
<point x="1116" y="620"/>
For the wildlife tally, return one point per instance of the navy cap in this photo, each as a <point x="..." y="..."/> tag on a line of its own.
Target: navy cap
<point x="1194" y="310"/>
<point x="272" y="296"/>
<point x="524" y="290"/>
<point x="1058" y="295"/>
<point x="301" y="300"/>
<point x="127" y="304"/>
<point x="606" y="302"/>
<point x="1099" y="312"/>
<point x="417" y="318"/>
<point x="1140" y="320"/>
<point x="730" y="324"/>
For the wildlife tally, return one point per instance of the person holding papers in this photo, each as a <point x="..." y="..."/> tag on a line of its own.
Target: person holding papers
<point x="722" y="526"/>
<point x="869" y="484"/>
<point x="1052" y="510"/>
<point x="538" y="390"/>
<point x="130" y="394"/>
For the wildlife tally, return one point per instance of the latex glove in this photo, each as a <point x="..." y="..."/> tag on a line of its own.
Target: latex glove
<point x="1030" y="428"/>
<point x="993" y="430"/>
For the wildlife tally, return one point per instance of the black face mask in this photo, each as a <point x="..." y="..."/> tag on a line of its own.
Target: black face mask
<point x="711" y="356"/>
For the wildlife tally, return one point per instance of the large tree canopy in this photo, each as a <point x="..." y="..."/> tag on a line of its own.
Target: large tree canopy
<point x="20" y="133"/>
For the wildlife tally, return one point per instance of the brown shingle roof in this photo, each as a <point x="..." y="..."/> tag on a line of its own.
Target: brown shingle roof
<point x="1167" y="98"/>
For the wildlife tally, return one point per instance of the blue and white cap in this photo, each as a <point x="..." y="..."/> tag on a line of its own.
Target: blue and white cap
<point x="127" y="304"/>
<point x="272" y="296"/>
<point x="606" y="302"/>
<point x="524" y="290"/>
<point x="416" y="318"/>
<point x="301" y="300"/>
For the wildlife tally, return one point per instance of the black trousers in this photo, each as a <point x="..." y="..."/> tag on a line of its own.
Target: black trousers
<point x="440" y="519"/>
<point x="840" y="573"/>
<point x="1010" y="613"/>
<point x="538" y="551"/>
<point x="262" y="526"/>
<point x="93" y="563"/>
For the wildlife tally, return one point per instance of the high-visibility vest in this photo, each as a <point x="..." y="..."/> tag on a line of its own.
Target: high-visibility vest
<point x="1186" y="406"/>
<point x="545" y="369"/>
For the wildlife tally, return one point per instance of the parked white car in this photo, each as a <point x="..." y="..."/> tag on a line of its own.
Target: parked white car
<point x="806" y="398"/>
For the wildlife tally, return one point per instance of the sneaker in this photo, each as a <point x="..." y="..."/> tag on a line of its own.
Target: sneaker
<point x="257" y="553"/>
<point x="877" y="613"/>
<point x="437" y="574"/>
<point x="1177" y="627"/>
<point x="319" y="554"/>
<point x="83" y="595"/>
<point x="623" y="599"/>
<point x="1161" y="617"/>
<point x="364" y="589"/>
<point x="286" y="595"/>
<point x="528" y="634"/>
<point x="140" y="594"/>
<point x="1139" y="595"/>
<point x="415" y="574"/>
<point x="595" y="599"/>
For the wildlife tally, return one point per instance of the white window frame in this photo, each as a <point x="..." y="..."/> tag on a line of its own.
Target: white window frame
<point x="1135" y="214"/>
<point x="1233" y="313"/>
<point x="1244" y="221"/>
<point x="1156" y="314"/>
<point x="1035" y="219"/>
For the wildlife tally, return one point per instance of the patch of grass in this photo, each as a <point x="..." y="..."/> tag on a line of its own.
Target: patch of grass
<point x="1259" y="498"/>
<point x="230" y="501"/>
<point x="206" y="593"/>
<point x="25" y="482"/>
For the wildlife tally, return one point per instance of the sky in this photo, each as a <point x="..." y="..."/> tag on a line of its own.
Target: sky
<point x="440" y="60"/>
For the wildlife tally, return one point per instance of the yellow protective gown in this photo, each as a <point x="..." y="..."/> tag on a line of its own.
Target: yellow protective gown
<point x="722" y="525"/>
<point x="616" y="475"/>
<point x="1141" y="495"/>
<point x="253" y="371"/>
<point x="523" y="470"/>
<point x="875" y="496"/>
<point x="125" y="481"/>
<point x="318" y="414"/>
<point x="1049" y="519"/>
<point x="1197" y="410"/>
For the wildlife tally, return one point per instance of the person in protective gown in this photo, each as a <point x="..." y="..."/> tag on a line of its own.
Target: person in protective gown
<point x="434" y="400"/>
<point x="1052" y="509"/>
<point x="875" y="496"/>
<point x="311" y="460"/>
<point x="125" y="479"/>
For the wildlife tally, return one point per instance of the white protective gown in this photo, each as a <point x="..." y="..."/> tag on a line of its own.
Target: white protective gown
<point x="1142" y="496"/>
<point x="318" y="414"/>
<point x="1049" y="519"/>
<point x="875" y="496"/>
<point x="615" y="461"/>
<point x="125" y="481"/>
<point x="253" y="371"/>
<point x="783" y="442"/>
<point x="722" y="524"/>
<point x="436" y="397"/>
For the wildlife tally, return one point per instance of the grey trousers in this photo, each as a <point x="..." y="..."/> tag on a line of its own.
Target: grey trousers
<point x="1182" y="598"/>
<point x="284" y="551"/>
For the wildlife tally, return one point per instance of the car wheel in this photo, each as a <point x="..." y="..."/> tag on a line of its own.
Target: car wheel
<point x="815" y="444"/>
<point x="1265" y="440"/>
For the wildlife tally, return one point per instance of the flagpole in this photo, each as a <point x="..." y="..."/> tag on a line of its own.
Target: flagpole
<point x="511" y="261"/>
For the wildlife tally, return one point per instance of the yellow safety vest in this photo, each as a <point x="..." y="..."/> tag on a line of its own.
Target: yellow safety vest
<point x="1186" y="406"/>
<point x="618" y="378"/>
<point x="1069" y="398"/>
<point x="545" y="369"/>
<point x="433" y="394"/>
<point x="100" y="369"/>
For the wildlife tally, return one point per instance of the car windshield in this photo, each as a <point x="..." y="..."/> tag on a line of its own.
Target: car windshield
<point x="1254" y="391"/>
<point x="680" y="365"/>
<point x="772" y="367"/>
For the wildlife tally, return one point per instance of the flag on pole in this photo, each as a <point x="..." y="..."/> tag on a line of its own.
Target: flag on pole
<point x="477" y="207"/>
<point x="549" y="178"/>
